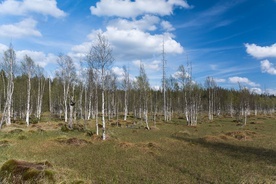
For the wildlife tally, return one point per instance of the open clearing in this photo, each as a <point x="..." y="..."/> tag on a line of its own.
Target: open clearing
<point x="213" y="152"/>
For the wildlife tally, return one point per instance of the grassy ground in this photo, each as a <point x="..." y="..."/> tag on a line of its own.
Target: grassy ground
<point x="216" y="152"/>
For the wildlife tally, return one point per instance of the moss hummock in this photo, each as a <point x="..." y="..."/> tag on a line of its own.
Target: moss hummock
<point x="15" y="171"/>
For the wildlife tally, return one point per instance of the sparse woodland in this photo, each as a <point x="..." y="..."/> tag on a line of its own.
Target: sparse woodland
<point x="96" y="93"/>
<point x="53" y="129"/>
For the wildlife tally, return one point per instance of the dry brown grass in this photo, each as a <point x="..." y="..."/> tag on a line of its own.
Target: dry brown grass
<point x="245" y="135"/>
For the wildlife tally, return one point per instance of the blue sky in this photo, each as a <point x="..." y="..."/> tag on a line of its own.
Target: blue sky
<point x="233" y="41"/>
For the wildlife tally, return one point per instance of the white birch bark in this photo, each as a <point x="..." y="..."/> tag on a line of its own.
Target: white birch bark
<point x="9" y="63"/>
<point x="100" y="58"/>
<point x="67" y="74"/>
<point x="28" y="101"/>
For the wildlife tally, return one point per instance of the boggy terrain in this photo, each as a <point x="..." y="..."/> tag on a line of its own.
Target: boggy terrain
<point x="221" y="151"/>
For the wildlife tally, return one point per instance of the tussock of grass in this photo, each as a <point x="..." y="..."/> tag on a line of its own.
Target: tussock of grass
<point x="22" y="137"/>
<point x="14" y="171"/>
<point x="230" y="136"/>
<point x="241" y="135"/>
<point x="212" y="138"/>
<point x="72" y="141"/>
<point x="4" y="143"/>
<point x="256" y="122"/>
<point x="182" y="133"/>
<point x="126" y="145"/>
<point x="16" y="131"/>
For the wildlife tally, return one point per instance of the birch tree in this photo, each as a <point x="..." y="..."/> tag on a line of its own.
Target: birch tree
<point x="28" y="68"/>
<point x="244" y="97"/>
<point x="211" y="86"/>
<point x="9" y="62"/>
<point x="143" y="87"/>
<point x="100" y="58"/>
<point x="40" y="91"/>
<point x="182" y="77"/>
<point x="191" y="93"/>
<point x="67" y="74"/>
<point x="164" y="82"/>
<point x="126" y="86"/>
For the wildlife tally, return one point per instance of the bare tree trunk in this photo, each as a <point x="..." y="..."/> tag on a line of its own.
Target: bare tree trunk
<point x="90" y="105"/>
<point x="126" y="108"/>
<point x="28" y="101"/>
<point x="9" y="62"/>
<point x="103" y="103"/>
<point x="66" y="89"/>
<point x="164" y="82"/>
<point x="96" y="108"/>
<point x="70" y="124"/>
<point x="85" y="104"/>
<point x="80" y="102"/>
<point x="146" y="118"/>
<point x="50" y="97"/>
<point x="41" y="87"/>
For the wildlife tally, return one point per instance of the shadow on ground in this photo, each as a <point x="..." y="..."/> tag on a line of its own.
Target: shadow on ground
<point x="245" y="153"/>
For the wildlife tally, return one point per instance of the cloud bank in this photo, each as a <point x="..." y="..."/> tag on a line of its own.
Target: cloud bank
<point x="45" y="7"/>
<point x="25" y="28"/>
<point x="132" y="9"/>
<point x="243" y="80"/>
<point x="135" y="29"/>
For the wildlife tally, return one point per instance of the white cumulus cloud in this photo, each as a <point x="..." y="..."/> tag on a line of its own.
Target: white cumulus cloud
<point x="146" y="23"/>
<point x="242" y="80"/>
<point x="39" y="58"/>
<point x="3" y="48"/>
<point x="154" y="65"/>
<point x="132" y="9"/>
<point x="268" y="67"/>
<point x="26" y="27"/>
<point x="132" y="44"/>
<point x="138" y="44"/>
<point x="45" y="7"/>
<point x="256" y="90"/>
<point x="219" y="80"/>
<point x="261" y="52"/>
<point x="118" y="71"/>
<point x="167" y="25"/>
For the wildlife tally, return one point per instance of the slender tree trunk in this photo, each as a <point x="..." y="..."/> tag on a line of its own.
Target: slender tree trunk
<point x="71" y="115"/>
<point x="97" y="110"/>
<point x="146" y="118"/>
<point x="50" y="97"/>
<point x="41" y="87"/>
<point x="125" y="109"/>
<point x="103" y="111"/>
<point x="28" y="101"/>
<point x="80" y="102"/>
<point x="6" y="116"/>
<point x="66" y="90"/>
